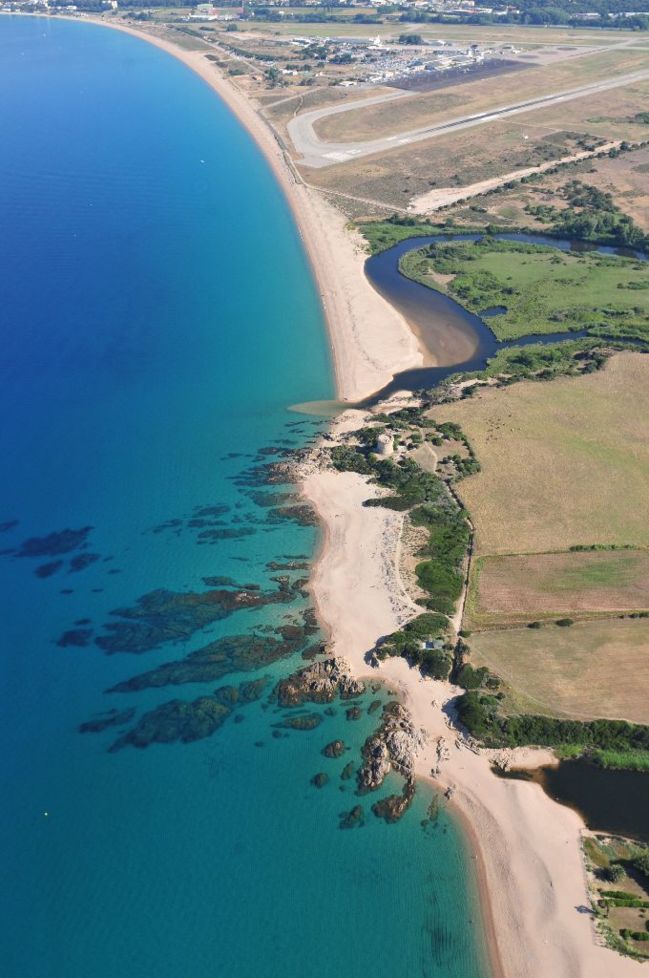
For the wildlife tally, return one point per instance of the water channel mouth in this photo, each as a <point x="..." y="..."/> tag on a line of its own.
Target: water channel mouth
<point x="455" y="339"/>
<point x="608" y="800"/>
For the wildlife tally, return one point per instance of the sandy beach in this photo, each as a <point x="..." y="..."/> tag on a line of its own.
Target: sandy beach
<point x="528" y="848"/>
<point x="534" y="894"/>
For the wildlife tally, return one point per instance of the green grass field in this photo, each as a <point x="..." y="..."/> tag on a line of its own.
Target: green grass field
<point x="541" y="289"/>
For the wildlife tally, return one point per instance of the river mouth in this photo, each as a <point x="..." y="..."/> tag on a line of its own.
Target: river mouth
<point x="608" y="800"/>
<point x="451" y="338"/>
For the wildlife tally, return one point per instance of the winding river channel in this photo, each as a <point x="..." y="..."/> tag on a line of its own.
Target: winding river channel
<point x="454" y="338"/>
<point x="458" y="340"/>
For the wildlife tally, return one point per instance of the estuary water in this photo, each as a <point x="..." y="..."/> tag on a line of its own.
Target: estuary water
<point x="157" y="317"/>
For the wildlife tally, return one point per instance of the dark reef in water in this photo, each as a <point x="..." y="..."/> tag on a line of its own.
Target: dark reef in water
<point x="301" y="721"/>
<point x="320" y="779"/>
<point x="170" y="616"/>
<point x="291" y="565"/>
<point x="176" y="720"/>
<point x="234" y="653"/>
<point x="335" y="749"/>
<point x="54" y="544"/>
<point x="353" y="819"/>
<point x="393" y="807"/>
<point x="81" y="561"/>
<point x="8" y="525"/>
<point x="188" y="721"/>
<point x="46" y="570"/>
<point x="301" y="513"/>
<point x="75" y="636"/>
<point x="113" y="718"/>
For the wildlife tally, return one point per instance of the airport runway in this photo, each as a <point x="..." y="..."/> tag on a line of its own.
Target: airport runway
<point x="317" y="153"/>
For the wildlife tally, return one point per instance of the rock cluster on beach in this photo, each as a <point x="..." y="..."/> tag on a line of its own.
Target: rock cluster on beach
<point x="392" y="747"/>
<point x="320" y="682"/>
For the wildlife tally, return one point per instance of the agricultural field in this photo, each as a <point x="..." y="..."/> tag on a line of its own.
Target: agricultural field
<point x="589" y="670"/>
<point x="539" y="289"/>
<point x="525" y="587"/>
<point x="562" y="465"/>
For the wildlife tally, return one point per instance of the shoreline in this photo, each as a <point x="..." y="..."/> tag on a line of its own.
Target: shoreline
<point x="529" y="868"/>
<point x="369" y="340"/>
<point x="355" y="568"/>
<point x="359" y="368"/>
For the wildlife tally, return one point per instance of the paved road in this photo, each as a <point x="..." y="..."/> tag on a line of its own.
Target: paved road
<point x="317" y="153"/>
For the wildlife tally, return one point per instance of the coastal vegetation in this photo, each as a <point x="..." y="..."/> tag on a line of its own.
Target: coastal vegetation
<point x="591" y="214"/>
<point x="479" y="712"/>
<point x="430" y="505"/>
<point x="620" y="912"/>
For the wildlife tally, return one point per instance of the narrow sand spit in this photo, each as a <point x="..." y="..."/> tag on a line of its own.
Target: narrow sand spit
<point x="528" y="849"/>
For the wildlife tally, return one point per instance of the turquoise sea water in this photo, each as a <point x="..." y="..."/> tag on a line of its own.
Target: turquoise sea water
<point x="157" y="318"/>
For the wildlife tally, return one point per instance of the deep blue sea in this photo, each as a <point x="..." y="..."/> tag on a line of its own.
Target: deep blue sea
<point x="157" y="319"/>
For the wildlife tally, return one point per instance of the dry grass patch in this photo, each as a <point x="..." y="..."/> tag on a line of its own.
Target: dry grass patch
<point x="592" y="669"/>
<point x="564" y="463"/>
<point x="522" y="587"/>
<point x="454" y="160"/>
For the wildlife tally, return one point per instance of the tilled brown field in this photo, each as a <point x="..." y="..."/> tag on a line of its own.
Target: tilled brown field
<point x="522" y="586"/>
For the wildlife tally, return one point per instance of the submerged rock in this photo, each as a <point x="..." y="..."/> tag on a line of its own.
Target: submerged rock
<point x="354" y="713"/>
<point x="113" y="718"/>
<point x="234" y="653"/>
<point x="190" y="720"/>
<point x="304" y="721"/>
<point x="81" y="561"/>
<point x="320" y="779"/>
<point x="75" y="636"/>
<point x="335" y="749"/>
<point x="353" y="819"/>
<point x="175" y="720"/>
<point x="54" y="544"/>
<point x="321" y="682"/>
<point x="46" y="570"/>
<point x="348" y="771"/>
<point x="169" y="616"/>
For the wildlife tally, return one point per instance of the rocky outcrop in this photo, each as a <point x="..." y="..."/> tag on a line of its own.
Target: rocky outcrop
<point x="393" y="746"/>
<point x="320" y="682"/>
<point x="353" y="819"/>
<point x="335" y="749"/>
<point x="392" y="808"/>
